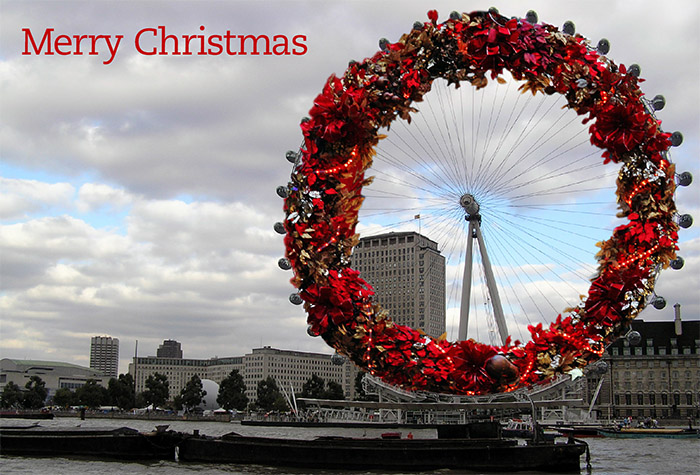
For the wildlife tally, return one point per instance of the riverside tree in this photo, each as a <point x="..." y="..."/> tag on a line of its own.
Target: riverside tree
<point x="191" y="395"/>
<point x="269" y="396"/>
<point x="232" y="392"/>
<point x="317" y="388"/>
<point x="35" y="393"/>
<point x="121" y="391"/>
<point x="63" y="397"/>
<point x="157" y="390"/>
<point x="11" y="397"/>
<point x="91" y="394"/>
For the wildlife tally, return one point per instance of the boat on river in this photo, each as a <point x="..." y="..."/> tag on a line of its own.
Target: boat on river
<point x="640" y="432"/>
<point x="476" y="446"/>
<point x="523" y="429"/>
<point x="100" y="443"/>
<point x="26" y="415"/>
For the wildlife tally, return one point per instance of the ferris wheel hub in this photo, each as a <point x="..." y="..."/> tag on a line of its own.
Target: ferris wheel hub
<point x="469" y="203"/>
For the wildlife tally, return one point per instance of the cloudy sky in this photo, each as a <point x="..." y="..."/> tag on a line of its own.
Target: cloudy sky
<point x="137" y="198"/>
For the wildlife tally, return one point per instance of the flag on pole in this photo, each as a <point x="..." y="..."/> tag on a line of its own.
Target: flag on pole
<point x="416" y="216"/>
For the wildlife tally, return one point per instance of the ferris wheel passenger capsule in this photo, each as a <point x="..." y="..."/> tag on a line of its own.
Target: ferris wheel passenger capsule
<point x="417" y="25"/>
<point x="634" y="70"/>
<point x="383" y="44"/>
<point x="282" y="191"/>
<point x="531" y="17"/>
<point x="685" y="178"/>
<point x="634" y="337"/>
<point x="676" y="138"/>
<point x="677" y="263"/>
<point x="279" y="228"/>
<point x="659" y="303"/>
<point x="569" y="28"/>
<point x="295" y="299"/>
<point x="603" y="46"/>
<point x="455" y="15"/>
<point x="337" y="359"/>
<point x="658" y="102"/>
<point x="291" y="156"/>
<point x="601" y="367"/>
<point x="284" y="264"/>
<point x="685" y="221"/>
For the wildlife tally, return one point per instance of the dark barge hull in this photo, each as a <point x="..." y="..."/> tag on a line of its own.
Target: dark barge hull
<point x="121" y="443"/>
<point x="25" y="415"/>
<point x="377" y="454"/>
<point x="340" y="424"/>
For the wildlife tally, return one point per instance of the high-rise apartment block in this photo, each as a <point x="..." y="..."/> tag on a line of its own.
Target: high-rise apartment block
<point x="407" y="272"/>
<point x="169" y="349"/>
<point x="104" y="355"/>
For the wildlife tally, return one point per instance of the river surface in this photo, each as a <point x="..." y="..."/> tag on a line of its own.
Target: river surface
<point x="608" y="456"/>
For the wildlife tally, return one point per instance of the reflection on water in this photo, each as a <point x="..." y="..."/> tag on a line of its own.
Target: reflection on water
<point x="608" y="456"/>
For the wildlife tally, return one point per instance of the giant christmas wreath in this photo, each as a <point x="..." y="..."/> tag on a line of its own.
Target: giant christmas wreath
<point x="324" y="196"/>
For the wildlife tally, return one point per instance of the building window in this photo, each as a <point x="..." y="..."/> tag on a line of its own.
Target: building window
<point x="628" y="399"/>
<point x="652" y="399"/>
<point x="689" y="399"/>
<point x="664" y="399"/>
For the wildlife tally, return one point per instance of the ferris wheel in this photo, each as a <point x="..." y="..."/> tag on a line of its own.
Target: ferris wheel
<point x="500" y="172"/>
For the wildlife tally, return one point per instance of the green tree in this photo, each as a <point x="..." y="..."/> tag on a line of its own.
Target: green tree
<point x="35" y="395"/>
<point x="269" y="396"/>
<point x="192" y="394"/>
<point x="232" y="392"/>
<point x="63" y="397"/>
<point x="91" y="394"/>
<point x="121" y="391"/>
<point x="157" y="389"/>
<point x="11" y="396"/>
<point x="313" y="388"/>
<point x="334" y="391"/>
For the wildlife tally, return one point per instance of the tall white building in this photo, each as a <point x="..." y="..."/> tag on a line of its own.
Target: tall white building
<point x="104" y="355"/>
<point x="407" y="272"/>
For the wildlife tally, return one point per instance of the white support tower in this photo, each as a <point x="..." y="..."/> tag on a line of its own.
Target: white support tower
<point x="471" y="207"/>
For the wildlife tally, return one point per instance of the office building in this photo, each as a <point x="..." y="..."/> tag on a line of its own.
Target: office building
<point x="290" y="369"/>
<point x="169" y="349"/>
<point x="104" y="355"/>
<point x="658" y="377"/>
<point x="407" y="272"/>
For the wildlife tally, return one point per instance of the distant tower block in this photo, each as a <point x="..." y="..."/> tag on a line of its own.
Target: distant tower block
<point x="104" y="355"/>
<point x="407" y="272"/>
<point x="169" y="349"/>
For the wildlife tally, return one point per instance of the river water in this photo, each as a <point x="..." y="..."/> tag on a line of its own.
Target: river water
<point x="608" y="456"/>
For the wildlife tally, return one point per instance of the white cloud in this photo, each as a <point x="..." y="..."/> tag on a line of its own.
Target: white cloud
<point x="21" y="198"/>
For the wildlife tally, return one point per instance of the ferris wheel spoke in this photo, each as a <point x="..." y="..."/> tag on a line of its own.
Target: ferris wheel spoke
<point x="537" y="253"/>
<point x="428" y="176"/>
<point x="510" y="157"/>
<point x="558" y="173"/>
<point x="529" y="269"/>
